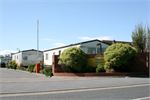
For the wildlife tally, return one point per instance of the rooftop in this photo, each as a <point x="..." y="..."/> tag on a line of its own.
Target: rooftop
<point x="109" y="42"/>
<point x="26" y="51"/>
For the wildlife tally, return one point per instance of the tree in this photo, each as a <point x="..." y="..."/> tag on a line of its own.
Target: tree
<point x="148" y="39"/>
<point x="74" y="59"/>
<point x="139" y="38"/>
<point x="117" y="56"/>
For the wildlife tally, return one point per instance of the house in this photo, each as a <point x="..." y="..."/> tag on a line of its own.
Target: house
<point x="89" y="47"/>
<point x="27" y="57"/>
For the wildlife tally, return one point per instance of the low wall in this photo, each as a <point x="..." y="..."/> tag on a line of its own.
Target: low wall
<point x="91" y="74"/>
<point x="140" y="63"/>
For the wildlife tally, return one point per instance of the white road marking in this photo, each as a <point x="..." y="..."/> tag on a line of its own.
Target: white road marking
<point x="141" y="98"/>
<point x="70" y="90"/>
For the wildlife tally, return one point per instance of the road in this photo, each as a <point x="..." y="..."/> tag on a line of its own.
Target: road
<point x="19" y="85"/>
<point x="134" y="92"/>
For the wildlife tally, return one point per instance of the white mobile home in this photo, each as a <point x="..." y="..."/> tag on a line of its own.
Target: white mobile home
<point x="27" y="57"/>
<point x="89" y="47"/>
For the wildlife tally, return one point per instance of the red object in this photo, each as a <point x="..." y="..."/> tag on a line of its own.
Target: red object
<point x="38" y="68"/>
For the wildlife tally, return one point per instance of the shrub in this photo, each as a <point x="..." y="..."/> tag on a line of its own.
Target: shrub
<point x="47" y="71"/>
<point x="100" y="68"/>
<point x="117" y="56"/>
<point x="21" y="68"/>
<point x="12" y="64"/>
<point x="31" y="68"/>
<point x="74" y="58"/>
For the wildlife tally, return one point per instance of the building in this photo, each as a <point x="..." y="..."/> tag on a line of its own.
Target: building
<point x="27" y="57"/>
<point x="89" y="47"/>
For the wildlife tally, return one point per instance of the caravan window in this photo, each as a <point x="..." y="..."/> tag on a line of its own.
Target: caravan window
<point x="25" y="58"/>
<point x="46" y="57"/>
<point x="91" y="50"/>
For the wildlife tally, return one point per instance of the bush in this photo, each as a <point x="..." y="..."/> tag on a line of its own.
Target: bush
<point x="31" y="68"/>
<point x="12" y="64"/>
<point x="118" y="56"/>
<point x="21" y="68"/>
<point x="100" y="68"/>
<point x="74" y="58"/>
<point x="47" y="71"/>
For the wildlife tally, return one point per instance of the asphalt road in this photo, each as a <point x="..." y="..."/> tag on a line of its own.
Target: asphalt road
<point x="20" y="85"/>
<point x="135" y="92"/>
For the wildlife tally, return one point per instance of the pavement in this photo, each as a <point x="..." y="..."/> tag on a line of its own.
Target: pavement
<point x="16" y="82"/>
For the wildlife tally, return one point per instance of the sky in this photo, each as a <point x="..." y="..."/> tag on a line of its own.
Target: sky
<point x="63" y="22"/>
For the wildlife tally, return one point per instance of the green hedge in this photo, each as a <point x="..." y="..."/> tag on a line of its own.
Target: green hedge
<point x="118" y="56"/>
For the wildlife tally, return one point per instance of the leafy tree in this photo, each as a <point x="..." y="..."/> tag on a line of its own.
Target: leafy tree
<point x="117" y="56"/>
<point x="139" y="38"/>
<point x="148" y="39"/>
<point x="73" y="58"/>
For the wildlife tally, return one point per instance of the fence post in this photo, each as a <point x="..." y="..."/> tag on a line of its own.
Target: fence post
<point x="149" y="59"/>
<point x="53" y="64"/>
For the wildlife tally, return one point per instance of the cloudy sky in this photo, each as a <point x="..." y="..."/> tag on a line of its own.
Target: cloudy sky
<point x="63" y="22"/>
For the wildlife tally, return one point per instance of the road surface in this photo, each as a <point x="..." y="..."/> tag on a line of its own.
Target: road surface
<point x="20" y="85"/>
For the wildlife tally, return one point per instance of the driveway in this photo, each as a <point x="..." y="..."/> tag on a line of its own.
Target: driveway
<point x="14" y="82"/>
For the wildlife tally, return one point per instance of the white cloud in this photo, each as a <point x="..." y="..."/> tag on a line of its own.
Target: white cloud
<point x="85" y="38"/>
<point x="47" y="39"/>
<point x="58" y="44"/>
<point x="5" y="52"/>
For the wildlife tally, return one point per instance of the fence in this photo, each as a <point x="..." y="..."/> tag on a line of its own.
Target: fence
<point x="141" y="63"/>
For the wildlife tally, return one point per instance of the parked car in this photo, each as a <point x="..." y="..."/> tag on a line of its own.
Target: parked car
<point x="3" y="65"/>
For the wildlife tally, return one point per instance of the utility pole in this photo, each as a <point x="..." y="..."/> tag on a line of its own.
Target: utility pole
<point x="37" y="53"/>
<point x="37" y="35"/>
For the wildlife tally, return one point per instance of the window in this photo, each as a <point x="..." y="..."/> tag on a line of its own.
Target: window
<point x="91" y="50"/>
<point x="46" y="56"/>
<point x="99" y="50"/>
<point x="25" y="58"/>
